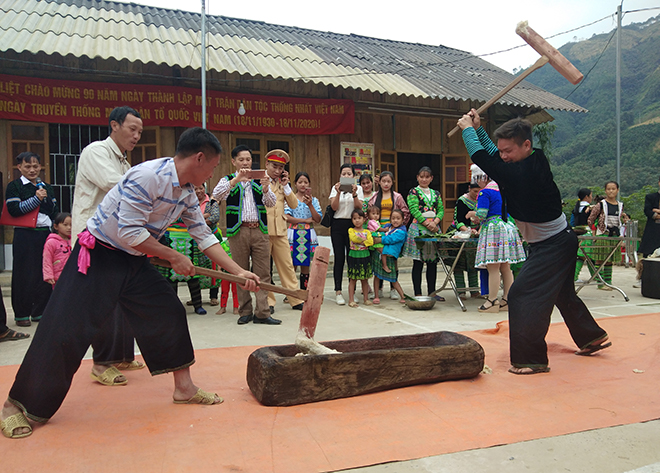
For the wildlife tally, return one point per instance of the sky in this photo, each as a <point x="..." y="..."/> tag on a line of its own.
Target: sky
<point x="476" y="26"/>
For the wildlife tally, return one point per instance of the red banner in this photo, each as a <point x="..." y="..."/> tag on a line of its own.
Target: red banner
<point x="90" y="103"/>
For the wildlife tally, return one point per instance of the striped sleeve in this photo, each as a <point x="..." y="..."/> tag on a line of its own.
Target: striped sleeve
<point x="471" y="140"/>
<point x="486" y="142"/>
<point x="28" y="205"/>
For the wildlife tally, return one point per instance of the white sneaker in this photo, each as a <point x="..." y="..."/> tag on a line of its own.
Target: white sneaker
<point x="380" y="293"/>
<point x="638" y="284"/>
<point x="394" y="295"/>
<point x="339" y="299"/>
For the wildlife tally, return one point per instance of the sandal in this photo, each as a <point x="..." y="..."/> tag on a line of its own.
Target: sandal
<point x="529" y="369"/>
<point x="107" y="378"/>
<point x="353" y="304"/>
<point x="494" y="306"/>
<point x="504" y="305"/>
<point x="130" y="365"/>
<point x="376" y="301"/>
<point x="13" y="335"/>
<point x="14" y="422"/>
<point x="594" y="346"/>
<point x="201" y="397"/>
<point x="368" y="302"/>
<point x="215" y="302"/>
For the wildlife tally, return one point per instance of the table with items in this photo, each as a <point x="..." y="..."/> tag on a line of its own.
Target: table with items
<point x="597" y="251"/>
<point x="451" y="250"/>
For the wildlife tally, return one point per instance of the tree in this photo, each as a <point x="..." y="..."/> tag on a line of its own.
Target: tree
<point x="543" y="134"/>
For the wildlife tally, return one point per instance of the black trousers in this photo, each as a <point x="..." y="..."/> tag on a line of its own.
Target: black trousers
<point x="116" y="345"/>
<point x="546" y="280"/>
<point x="81" y="308"/>
<point x="3" y="316"/>
<point x="29" y="291"/>
<point x="340" y="245"/>
<point x="431" y="276"/>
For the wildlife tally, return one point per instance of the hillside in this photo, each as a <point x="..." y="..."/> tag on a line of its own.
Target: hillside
<point x="584" y="145"/>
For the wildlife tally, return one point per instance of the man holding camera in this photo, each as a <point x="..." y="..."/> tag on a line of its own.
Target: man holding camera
<point x="247" y="230"/>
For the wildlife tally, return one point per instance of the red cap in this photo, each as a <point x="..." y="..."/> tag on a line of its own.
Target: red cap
<point x="278" y="156"/>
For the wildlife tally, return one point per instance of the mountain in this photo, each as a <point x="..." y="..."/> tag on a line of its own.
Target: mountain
<point x="584" y="144"/>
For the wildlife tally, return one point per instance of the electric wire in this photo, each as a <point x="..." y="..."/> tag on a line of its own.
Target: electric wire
<point x="401" y="70"/>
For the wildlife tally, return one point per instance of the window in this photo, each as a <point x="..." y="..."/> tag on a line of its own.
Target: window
<point x="25" y="136"/>
<point x="147" y="148"/>
<point x="66" y="144"/>
<point x="260" y="145"/>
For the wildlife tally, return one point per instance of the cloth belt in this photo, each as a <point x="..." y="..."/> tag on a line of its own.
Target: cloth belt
<point x="87" y="242"/>
<point x="250" y="224"/>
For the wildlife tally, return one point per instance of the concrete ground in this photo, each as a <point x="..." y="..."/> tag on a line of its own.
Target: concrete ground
<point x="612" y="450"/>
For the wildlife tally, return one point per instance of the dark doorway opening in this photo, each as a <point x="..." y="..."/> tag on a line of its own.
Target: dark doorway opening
<point x="409" y="165"/>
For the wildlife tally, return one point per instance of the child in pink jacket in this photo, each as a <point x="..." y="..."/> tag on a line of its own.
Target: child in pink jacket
<point x="57" y="248"/>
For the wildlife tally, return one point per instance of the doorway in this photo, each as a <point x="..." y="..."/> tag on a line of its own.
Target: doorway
<point x="410" y="164"/>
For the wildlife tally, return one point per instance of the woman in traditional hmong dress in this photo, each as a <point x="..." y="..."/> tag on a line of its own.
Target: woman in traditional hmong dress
<point x="499" y="244"/>
<point x="466" y="203"/>
<point x="302" y="236"/>
<point x="426" y="208"/>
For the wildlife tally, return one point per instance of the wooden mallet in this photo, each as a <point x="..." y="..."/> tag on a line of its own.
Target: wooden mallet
<point x="548" y="54"/>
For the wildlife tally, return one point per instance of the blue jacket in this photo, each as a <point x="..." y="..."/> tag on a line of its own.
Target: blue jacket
<point x="394" y="240"/>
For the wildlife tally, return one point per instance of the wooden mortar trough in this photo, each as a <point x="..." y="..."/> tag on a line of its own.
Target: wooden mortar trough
<point x="277" y="377"/>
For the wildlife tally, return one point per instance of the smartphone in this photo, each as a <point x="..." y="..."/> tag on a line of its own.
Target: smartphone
<point x="257" y="173"/>
<point x="346" y="184"/>
<point x="308" y="191"/>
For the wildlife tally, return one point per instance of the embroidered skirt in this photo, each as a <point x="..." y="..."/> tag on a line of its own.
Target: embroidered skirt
<point x="303" y="242"/>
<point x="377" y="267"/>
<point x="429" y="250"/>
<point x="499" y="242"/>
<point x="359" y="264"/>
<point x="600" y="249"/>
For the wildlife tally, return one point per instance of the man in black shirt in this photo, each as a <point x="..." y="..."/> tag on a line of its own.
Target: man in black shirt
<point x="546" y="279"/>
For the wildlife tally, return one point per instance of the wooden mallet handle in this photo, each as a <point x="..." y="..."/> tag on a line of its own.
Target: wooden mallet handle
<point x="543" y="60"/>
<point x="297" y="293"/>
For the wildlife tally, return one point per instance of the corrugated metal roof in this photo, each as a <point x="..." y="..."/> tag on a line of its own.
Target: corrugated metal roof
<point x="105" y="29"/>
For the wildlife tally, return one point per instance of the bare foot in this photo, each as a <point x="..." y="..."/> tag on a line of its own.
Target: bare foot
<point x="98" y="370"/>
<point x="9" y="409"/>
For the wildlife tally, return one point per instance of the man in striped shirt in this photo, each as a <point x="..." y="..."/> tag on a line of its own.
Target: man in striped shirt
<point x="109" y="266"/>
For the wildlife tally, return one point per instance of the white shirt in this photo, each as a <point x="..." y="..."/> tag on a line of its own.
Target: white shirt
<point x="100" y="167"/>
<point x="346" y="202"/>
<point x="147" y="200"/>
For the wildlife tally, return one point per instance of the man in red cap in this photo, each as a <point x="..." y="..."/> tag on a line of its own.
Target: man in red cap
<point x="280" y="250"/>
